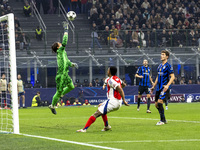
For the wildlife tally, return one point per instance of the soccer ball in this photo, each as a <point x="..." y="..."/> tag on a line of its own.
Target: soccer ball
<point x="71" y="15"/>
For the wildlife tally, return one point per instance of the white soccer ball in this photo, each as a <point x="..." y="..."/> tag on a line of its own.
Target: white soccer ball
<point x="71" y="15"/>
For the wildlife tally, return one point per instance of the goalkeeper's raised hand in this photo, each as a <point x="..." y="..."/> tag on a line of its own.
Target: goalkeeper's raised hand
<point x="65" y="26"/>
<point x="75" y="65"/>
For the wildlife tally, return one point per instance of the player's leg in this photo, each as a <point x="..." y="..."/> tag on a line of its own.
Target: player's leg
<point x="140" y="91"/>
<point x="90" y="121"/>
<point x="70" y="87"/>
<point x="166" y="104"/>
<point x="23" y="100"/>
<point x="19" y="100"/>
<point x="56" y="97"/>
<point x="148" y="98"/>
<point x="148" y="103"/>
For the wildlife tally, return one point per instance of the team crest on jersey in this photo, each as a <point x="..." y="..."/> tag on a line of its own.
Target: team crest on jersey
<point x="146" y="71"/>
<point x="160" y="69"/>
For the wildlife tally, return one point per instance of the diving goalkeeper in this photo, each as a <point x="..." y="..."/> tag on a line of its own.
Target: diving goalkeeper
<point x="64" y="83"/>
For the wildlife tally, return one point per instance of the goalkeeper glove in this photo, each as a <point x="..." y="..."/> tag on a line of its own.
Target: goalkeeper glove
<point x="65" y="26"/>
<point x="75" y="65"/>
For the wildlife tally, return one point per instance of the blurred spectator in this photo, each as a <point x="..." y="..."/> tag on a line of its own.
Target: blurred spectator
<point x="38" y="33"/>
<point x="18" y="29"/>
<point x="112" y="40"/>
<point x="17" y="41"/>
<point x="127" y="39"/>
<point x="68" y="103"/>
<point x="118" y="25"/>
<point x="90" y="84"/>
<point x="96" y="83"/>
<point x="135" y="38"/>
<point x="95" y="37"/>
<point x="125" y="25"/>
<point x="105" y="35"/>
<point x="77" y="102"/>
<point x="17" y="21"/>
<point x="36" y="101"/>
<point x="27" y="10"/>
<point x="86" y="103"/>
<point x="189" y="81"/>
<point x="24" y="42"/>
<point x="192" y="39"/>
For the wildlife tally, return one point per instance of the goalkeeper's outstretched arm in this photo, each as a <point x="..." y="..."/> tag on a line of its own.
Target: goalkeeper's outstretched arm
<point x="65" y="37"/>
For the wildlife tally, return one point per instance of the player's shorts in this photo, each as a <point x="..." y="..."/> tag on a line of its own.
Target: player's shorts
<point x="110" y="105"/>
<point x="3" y="94"/>
<point x="20" y="94"/>
<point x="162" y="95"/>
<point x="143" y="89"/>
<point x="62" y="81"/>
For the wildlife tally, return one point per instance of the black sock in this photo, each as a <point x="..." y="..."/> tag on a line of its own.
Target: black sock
<point x="138" y="103"/>
<point x="148" y="103"/>
<point x="161" y="111"/>
<point x="166" y="103"/>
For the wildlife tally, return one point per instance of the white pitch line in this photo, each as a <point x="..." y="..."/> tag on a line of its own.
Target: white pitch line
<point x="72" y="142"/>
<point x="187" y="121"/>
<point x="148" y="141"/>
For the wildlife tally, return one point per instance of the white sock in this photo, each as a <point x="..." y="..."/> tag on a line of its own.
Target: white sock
<point x="23" y="105"/>
<point x="18" y="105"/>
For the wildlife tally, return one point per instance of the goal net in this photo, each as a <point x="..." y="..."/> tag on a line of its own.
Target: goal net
<point x="9" y="120"/>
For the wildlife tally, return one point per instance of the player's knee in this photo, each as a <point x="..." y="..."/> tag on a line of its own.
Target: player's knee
<point x="148" y="95"/>
<point x="97" y="114"/>
<point x="139" y="96"/>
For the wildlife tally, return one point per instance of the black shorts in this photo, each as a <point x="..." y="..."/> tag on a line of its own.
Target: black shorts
<point x="143" y="89"/>
<point x="162" y="95"/>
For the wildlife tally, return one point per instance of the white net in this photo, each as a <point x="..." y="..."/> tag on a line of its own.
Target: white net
<point x="6" y="66"/>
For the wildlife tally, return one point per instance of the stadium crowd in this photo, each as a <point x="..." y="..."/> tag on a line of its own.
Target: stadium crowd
<point x="147" y="23"/>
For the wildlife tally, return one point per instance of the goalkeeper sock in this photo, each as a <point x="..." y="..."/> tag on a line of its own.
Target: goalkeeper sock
<point x="90" y="121"/>
<point x="105" y="120"/>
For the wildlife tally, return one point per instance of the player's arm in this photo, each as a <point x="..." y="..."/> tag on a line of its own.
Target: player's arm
<point x="65" y="36"/>
<point x="121" y="92"/>
<point x="172" y="77"/>
<point x="151" y="80"/>
<point x="137" y="73"/>
<point x="154" y="85"/>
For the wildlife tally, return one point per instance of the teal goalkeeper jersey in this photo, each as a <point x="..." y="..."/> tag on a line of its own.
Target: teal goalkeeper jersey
<point x="62" y="60"/>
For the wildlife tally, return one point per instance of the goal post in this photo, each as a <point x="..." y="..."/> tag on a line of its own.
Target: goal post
<point x="9" y="116"/>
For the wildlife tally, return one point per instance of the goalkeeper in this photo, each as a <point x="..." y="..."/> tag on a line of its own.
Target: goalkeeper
<point x="64" y="83"/>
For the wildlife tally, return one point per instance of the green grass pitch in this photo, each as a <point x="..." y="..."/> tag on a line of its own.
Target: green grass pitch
<point x="130" y="129"/>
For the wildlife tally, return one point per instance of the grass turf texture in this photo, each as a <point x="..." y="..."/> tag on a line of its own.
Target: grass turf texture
<point x="136" y="127"/>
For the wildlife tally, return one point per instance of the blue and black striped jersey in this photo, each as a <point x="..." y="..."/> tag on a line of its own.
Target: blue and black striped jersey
<point x="163" y="75"/>
<point x="145" y="72"/>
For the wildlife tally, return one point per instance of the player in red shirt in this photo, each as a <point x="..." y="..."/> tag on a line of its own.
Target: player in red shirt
<point x="115" y="95"/>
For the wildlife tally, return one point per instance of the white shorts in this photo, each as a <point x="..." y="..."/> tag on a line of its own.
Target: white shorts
<point x="110" y="105"/>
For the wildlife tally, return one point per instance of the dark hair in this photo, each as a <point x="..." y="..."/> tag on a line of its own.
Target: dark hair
<point x="54" y="47"/>
<point x="166" y="52"/>
<point x="113" y="70"/>
<point x="38" y="92"/>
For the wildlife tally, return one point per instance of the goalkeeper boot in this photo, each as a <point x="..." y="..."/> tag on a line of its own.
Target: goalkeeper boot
<point x="81" y="130"/>
<point x="106" y="128"/>
<point x="53" y="110"/>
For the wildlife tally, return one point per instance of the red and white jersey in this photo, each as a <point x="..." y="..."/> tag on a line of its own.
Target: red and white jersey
<point x="112" y="84"/>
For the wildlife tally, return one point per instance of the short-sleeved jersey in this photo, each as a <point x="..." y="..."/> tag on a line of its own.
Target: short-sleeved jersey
<point x="145" y="72"/>
<point x="62" y="59"/>
<point x="112" y="84"/>
<point x="20" y="86"/>
<point x="3" y="85"/>
<point x="163" y="75"/>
